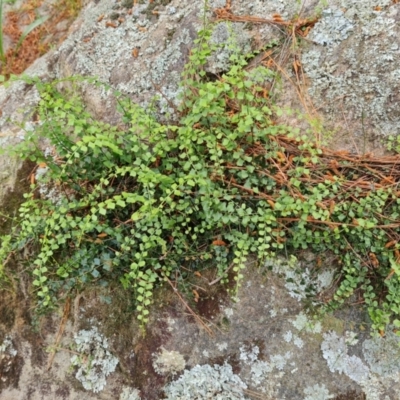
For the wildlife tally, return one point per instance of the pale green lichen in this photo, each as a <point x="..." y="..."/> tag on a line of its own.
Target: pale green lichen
<point x="260" y="370"/>
<point x="303" y="323"/>
<point x="351" y="338"/>
<point x="205" y="382"/>
<point x="129" y="394"/>
<point x="353" y="76"/>
<point x="317" y="392"/>
<point x="300" y="281"/>
<point x="335" y="352"/>
<point x="383" y="354"/>
<point x="379" y="353"/>
<point x="168" y="362"/>
<point x="93" y="361"/>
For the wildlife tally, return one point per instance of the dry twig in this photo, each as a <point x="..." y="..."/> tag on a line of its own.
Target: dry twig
<point x="195" y="316"/>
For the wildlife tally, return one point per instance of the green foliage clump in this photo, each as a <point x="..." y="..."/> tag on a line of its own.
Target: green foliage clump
<point x="393" y="143"/>
<point x="138" y="202"/>
<point x="134" y="205"/>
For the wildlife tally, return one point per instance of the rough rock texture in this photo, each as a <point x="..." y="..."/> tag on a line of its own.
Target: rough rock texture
<point x="353" y="67"/>
<point x="264" y="344"/>
<point x="16" y="102"/>
<point x="142" y="52"/>
<point x="271" y="345"/>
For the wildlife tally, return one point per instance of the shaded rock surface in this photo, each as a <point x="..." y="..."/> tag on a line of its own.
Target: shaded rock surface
<point x="265" y="342"/>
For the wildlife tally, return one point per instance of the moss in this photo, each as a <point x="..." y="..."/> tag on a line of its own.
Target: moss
<point x="170" y="34"/>
<point x="7" y="311"/>
<point x="154" y="7"/>
<point x="12" y="302"/>
<point x="225" y="323"/>
<point x="114" y="16"/>
<point x="351" y="395"/>
<point x="127" y="3"/>
<point x="248" y="26"/>
<point x="208" y="306"/>
<point x="330" y="323"/>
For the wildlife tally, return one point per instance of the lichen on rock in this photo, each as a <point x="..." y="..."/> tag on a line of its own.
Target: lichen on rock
<point x="383" y="354"/>
<point x="93" y="362"/>
<point x="204" y="382"/>
<point x="228" y="37"/>
<point x="168" y="362"/>
<point x="317" y="392"/>
<point x="353" y="67"/>
<point x="335" y="352"/>
<point x="129" y="394"/>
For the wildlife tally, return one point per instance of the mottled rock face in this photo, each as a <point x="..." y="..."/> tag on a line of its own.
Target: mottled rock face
<point x="350" y="59"/>
<point x="353" y="67"/>
<point x="16" y="104"/>
<point x="138" y="51"/>
<point x="265" y="342"/>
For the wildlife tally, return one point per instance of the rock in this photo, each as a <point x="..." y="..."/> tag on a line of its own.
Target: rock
<point x="108" y="54"/>
<point x="266" y="342"/>
<point x="353" y="69"/>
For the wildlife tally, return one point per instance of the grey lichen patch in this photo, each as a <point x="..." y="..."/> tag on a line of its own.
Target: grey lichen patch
<point x="228" y="37"/>
<point x="7" y="348"/>
<point x="168" y="362"/>
<point x="204" y="382"/>
<point x="383" y="354"/>
<point x="332" y="28"/>
<point x="270" y="343"/>
<point x="381" y="379"/>
<point x="46" y="191"/>
<point x="317" y="392"/>
<point x="158" y="66"/>
<point x="17" y="102"/>
<point x="353" y="71"/>
<point x="335" y="352"/>
<point x="217" y="3"/>
<point x="8" y="167"/>
<point x="14" y="109"/>
<point x="158" y="58"/>
<point x="265" y="9"/>
<point x="107" y="46"/>
<point x="364" y="9"/>
<point x="129" y="394"/>
<point x="300" y="281"/>
<point x="93" y="362"/>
